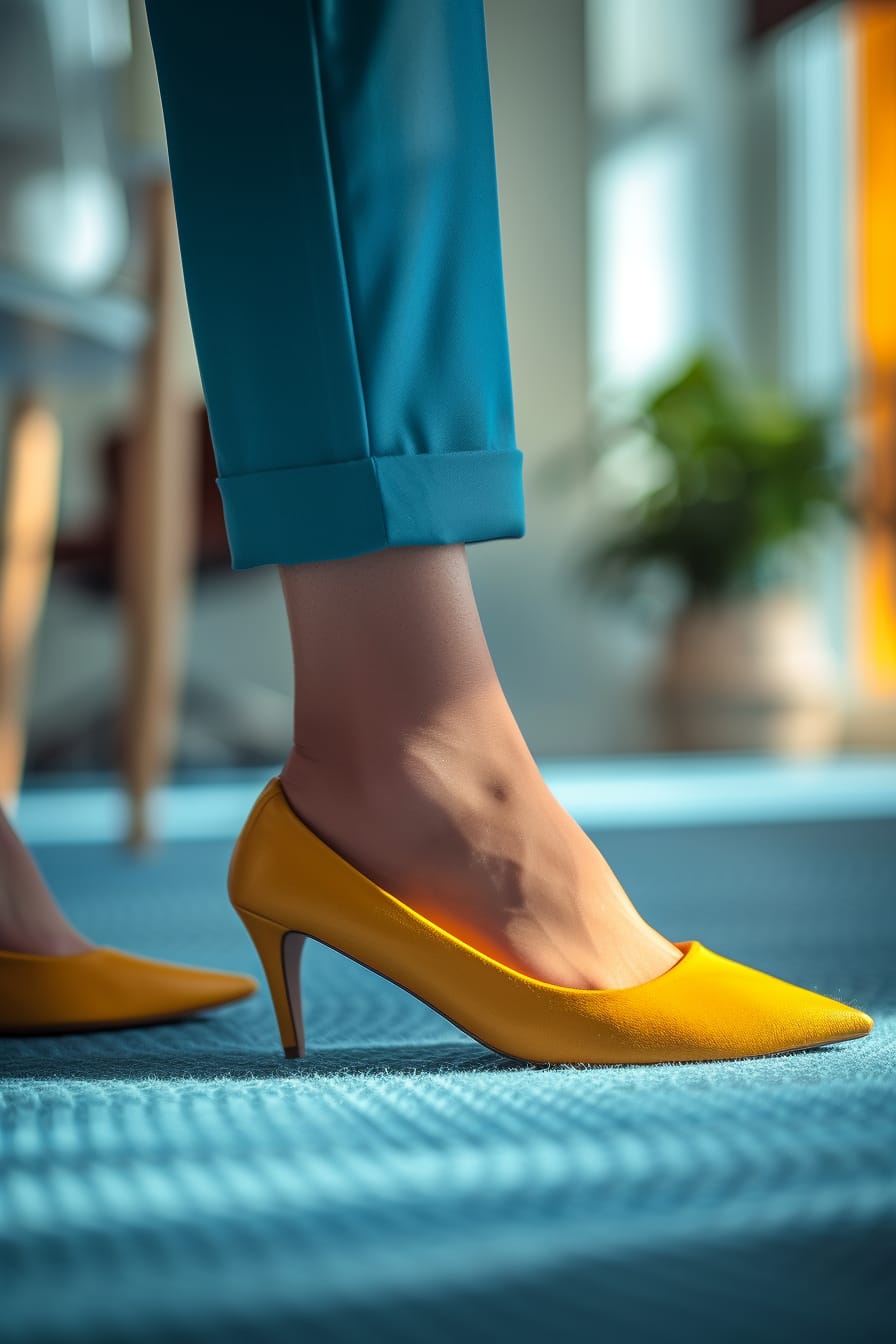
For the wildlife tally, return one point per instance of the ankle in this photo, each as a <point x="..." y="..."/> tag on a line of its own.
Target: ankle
<point x="30" y="920"/>
<point x="40" y="938"/>
<point x="385" y="645"/>
<point x="474" y="744"/>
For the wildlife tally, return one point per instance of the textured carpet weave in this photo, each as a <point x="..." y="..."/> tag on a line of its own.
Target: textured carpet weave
<point x="402" y="1183"/>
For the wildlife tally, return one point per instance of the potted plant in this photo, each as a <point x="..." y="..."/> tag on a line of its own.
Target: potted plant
<point x="735" y="480"/>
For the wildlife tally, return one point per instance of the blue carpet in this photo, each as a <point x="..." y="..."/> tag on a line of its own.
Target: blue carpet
<point x="185" y="1182"/>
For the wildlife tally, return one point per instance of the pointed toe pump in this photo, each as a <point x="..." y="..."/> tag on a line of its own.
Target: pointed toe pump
<point x="287" y="885"/>
<point x="104" y="988"/>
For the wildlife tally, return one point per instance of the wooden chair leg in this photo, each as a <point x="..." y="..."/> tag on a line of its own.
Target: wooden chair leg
<point x="158" y="542"/>
<point x="29" y="506"/>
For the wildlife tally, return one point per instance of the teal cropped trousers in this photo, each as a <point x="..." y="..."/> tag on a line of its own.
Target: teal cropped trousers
<point x="334" y="182"/>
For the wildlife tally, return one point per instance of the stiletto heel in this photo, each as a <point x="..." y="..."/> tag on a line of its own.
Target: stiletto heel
<point x="705" y="1007"/>
<point x="280" y="952"/>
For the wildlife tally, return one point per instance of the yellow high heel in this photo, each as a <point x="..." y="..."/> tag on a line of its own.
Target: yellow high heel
<point x="103" y="988"/>
<point x="287" y="884"/>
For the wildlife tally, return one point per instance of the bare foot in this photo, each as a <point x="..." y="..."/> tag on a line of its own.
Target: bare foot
<point x="459" y="824"/>
<point x="30" y="919"/>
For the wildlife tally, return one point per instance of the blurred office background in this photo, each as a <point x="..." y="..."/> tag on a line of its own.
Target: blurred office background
<point x="686" y="187"/>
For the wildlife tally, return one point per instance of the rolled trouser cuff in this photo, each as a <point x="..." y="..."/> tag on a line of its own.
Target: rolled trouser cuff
<point x="333" y="510"/>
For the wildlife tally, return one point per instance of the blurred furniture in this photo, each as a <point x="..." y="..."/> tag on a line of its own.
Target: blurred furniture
<point x="157" y="534"/>
<point x="763" y="16"/>
<point x="68" y="211"/>
<point x="29" y="490"/>
<point x="221" y="720"/>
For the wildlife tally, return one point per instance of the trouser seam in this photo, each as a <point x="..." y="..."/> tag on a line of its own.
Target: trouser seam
<point x="343" y="249"/>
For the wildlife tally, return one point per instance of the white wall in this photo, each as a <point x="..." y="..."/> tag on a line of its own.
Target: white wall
<point x="567" y="667"/>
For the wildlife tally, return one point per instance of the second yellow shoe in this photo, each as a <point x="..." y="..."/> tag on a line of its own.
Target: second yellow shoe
<point x="287" y="884"/>
<point x="103" y="988"/>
